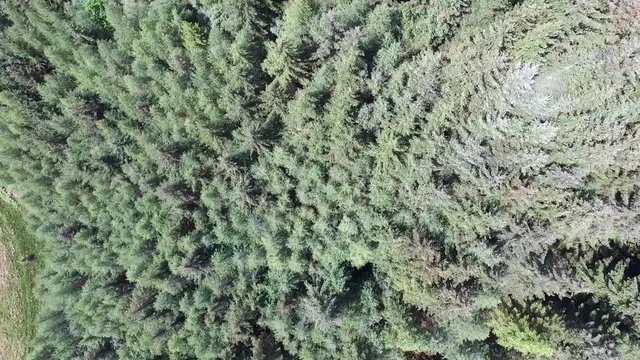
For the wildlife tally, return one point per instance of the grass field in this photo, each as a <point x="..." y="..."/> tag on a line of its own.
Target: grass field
<point x="18" y="305"/>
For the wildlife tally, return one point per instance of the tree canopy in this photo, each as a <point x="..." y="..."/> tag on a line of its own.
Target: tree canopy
<point x="328" y="179"/>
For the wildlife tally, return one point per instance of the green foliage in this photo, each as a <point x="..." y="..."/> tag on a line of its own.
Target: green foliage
<point x="518" y="335"/>
<point x="327" y="179"/>
<point x="192" y="36"/>
<point x="97" y="13"/>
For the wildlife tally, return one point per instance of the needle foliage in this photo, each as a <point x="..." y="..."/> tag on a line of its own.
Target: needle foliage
<point x="328" y="179"/>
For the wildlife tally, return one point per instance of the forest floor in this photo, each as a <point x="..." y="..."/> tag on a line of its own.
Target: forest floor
<point x="18" y="262"/>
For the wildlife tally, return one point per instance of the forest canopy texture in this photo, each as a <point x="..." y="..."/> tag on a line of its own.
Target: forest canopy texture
<point x="328" y="179"/>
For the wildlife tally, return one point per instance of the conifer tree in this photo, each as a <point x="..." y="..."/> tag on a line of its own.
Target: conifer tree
<point x="340" y="179"/>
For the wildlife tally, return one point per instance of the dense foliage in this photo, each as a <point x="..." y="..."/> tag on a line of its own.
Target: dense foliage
<point x="328" y="179"/>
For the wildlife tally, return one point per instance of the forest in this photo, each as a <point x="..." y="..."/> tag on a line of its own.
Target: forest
<point x="327" y="179"/>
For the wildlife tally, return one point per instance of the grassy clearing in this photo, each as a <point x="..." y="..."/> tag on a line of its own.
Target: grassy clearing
<point x="18" y="306"/>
